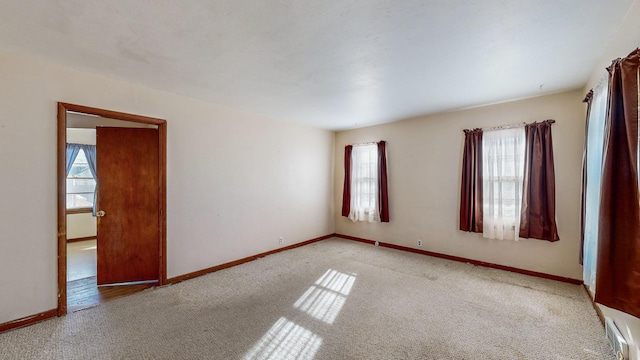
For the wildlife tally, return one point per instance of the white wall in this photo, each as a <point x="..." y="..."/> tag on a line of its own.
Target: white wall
<point x="81" y="225"/>
<point x="425" y="160"/>
<point x="81" y="127"/>
<point x="80" y="135"/>
<point x="625" y="41"/>
<point x="235" y="181"/>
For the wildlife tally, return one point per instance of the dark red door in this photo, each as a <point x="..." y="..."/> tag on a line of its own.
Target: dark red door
<point x="127" y="167"/>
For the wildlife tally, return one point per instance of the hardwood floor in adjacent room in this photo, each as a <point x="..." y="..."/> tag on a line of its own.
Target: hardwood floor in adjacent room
<point x="84" y="293"/>
<point x="81" y="259"/>
<point x="82" y="289"/>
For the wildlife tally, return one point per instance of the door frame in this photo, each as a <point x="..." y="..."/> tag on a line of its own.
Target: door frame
<point x="63" y="108"/>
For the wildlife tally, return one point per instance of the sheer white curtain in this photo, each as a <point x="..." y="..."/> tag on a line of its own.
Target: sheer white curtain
<point x="502" y="172"/>
<point x="364" y="183"/>
<point x="595" y="138"/>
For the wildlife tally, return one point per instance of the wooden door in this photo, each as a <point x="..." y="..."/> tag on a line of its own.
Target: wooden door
<point x="127" y="162"/>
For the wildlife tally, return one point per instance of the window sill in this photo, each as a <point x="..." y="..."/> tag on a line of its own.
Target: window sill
<point x="79" y="211"/>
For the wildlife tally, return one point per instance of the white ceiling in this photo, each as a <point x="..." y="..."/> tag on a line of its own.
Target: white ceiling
<point x="332" y="64"/>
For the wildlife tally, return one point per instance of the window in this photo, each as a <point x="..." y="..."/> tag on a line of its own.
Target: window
<point x="508" y="182"/>
<point x="364" y="183"/>
<point x="80" y="184"/>
<point x="611" y="211"/>
<point x="502" y="173"/>
<point x="365" y="196"/>
<point x="591" y="191"/>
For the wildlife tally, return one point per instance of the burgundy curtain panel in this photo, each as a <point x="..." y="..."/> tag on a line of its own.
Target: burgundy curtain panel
<point x="583" y="189"/>
<point x="538" y="209"/>
<point x="618" y="274"/>
<point x="346" y="190"/>
<point x="471" y="188"/>
<point x="383" y="192"/>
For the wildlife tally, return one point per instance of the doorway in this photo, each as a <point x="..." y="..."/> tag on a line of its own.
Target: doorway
<point x="82" y="253"/>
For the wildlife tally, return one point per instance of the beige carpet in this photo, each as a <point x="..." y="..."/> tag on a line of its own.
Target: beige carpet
<point x="335" y="299"/>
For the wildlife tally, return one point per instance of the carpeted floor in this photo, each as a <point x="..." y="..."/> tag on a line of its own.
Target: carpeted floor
<point x="334" y="299"/>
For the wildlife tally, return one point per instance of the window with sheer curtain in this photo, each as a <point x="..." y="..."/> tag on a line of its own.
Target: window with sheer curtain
<point x="364" y="183"/>
<point x="503" y="153"/>
<point x="365" y="195"/>
<point x="618" y="229"/>
<point x="593" y="158"/>
<point x="508" y="182"/>
<point x="81" y="184"/>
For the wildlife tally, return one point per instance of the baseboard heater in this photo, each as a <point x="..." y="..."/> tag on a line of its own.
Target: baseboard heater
<point x="616" y="340"/>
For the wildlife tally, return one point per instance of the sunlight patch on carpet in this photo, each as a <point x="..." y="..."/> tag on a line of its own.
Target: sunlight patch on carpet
<point x="325" y="298"/>
<point x="285" y="340"/>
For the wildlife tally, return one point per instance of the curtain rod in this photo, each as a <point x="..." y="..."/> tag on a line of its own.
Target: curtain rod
<point x="505" y="126"/>
<point x="366" y="143"/>
<point x="550" y="121"/>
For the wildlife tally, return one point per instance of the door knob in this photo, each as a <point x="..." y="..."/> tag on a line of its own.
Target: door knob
<point x="100" y="213"/>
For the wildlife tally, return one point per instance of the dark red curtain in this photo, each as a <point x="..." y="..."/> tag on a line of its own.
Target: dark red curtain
<point x="383" y="192"/>
<point x="538" y="210"/>
<point x="346" y="190"/>
<point x="583" y="197"/>
<point x="471" y="189"/>
<point x="618" y="273"/>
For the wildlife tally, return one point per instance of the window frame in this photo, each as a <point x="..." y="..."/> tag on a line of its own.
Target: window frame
<point x="79" y="209"/>
<point x="370" y="181"/>
<point x="513" y="178"/>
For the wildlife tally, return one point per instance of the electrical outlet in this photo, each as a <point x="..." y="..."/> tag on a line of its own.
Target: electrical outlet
<point x="419" y="242"/>
<point x="280" y="240"/>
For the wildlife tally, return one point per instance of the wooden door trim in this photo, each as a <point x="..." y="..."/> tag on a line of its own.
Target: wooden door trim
<point x="63" y="108"/>
<point x="62" y="210"/>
